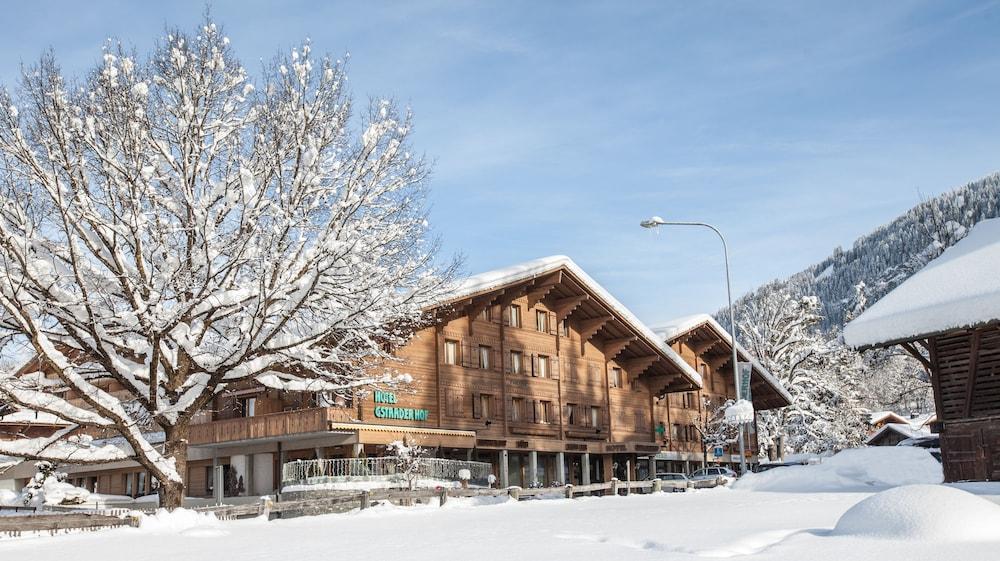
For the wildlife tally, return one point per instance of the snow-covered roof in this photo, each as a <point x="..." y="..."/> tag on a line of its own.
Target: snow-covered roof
<point x="961" y="288"/>
<point x="679" y="326"/>
<point x="496" y="279"/>
<point x="879" y="416"/>
<point x="29" y="417"/>
<point x="902" y="428"/>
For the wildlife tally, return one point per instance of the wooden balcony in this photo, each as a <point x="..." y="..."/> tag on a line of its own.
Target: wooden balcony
<point x="273" y="425"/>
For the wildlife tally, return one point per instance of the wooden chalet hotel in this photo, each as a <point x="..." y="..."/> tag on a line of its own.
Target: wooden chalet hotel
<point x="947" y="315"/>
<point x="534" y="368"/>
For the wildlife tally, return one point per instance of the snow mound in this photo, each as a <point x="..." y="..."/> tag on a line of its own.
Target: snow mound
<point x="8" y="498"/>
<point x="180" y="521"/>
<point x="922" y="512"/>
<point x="853" y="470"/>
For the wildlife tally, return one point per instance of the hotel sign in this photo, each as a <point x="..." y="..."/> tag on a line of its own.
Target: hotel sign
<point x="385" y="409"/>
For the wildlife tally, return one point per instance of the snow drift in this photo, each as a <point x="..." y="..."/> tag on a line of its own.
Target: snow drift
<point x="922" y="512"/>
<point x="180" y="520"/>
<point x="853" y="470"/>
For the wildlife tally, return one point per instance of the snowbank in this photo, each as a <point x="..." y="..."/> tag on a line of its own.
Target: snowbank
<point x="853" y="470"/>
<point x="8" y="498"/>
<point x="181" y="521"/>
<point x="922" y="512"/>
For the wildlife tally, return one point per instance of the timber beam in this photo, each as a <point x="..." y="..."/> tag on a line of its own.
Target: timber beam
<point x="613" y="347"/>
<point x="589" y="327"/>
<point x="542" y="286"/>
<point x="565" y="306"/>
<point x="915" y="353"/>
<point x="701" y="348"/>
<point x="636" y="366"/>
<point x="717" y="362"/>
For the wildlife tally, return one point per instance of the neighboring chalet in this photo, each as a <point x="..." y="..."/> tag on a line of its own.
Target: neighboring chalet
<point x="705" y="345"/>
<point x="891" y="434"/>
<point x="534" y="368"/>
<point x="947" y="315"/>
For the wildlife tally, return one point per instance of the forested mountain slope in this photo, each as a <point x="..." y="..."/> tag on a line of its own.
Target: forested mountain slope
<point x="891" y="253"/>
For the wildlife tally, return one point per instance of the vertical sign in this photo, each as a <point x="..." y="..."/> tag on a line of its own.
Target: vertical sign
<point x="745" y="369"/>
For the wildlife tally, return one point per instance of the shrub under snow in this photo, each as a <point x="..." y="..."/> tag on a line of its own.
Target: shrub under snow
<point x="48" y="487"/>
<point x="922" y="512"/>
<point x="165" y="521"/>
<point x="852" y="470"/>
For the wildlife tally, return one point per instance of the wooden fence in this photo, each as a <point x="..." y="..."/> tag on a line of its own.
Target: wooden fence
<point x="340" y="501"/>
<point x="337" y="501"/>
<point x="55" y="523"/>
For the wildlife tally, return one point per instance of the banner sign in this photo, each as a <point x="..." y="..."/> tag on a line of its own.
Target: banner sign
<point x="746" y="370"/>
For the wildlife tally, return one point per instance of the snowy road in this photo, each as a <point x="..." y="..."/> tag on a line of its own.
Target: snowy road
<point x="708" y="524"/>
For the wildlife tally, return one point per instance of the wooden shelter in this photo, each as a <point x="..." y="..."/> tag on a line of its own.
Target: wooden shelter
<point x="947" y="316"/>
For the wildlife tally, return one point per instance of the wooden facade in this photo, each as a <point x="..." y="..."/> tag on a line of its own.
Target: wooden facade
<point x="540" y="375"/>
<point x="965" y="375"/>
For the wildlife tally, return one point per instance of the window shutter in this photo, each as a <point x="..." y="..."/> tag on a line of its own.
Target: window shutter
<point x="554" y="368"/>
<point x="506" y="315"/>
<point x="506" y="362"/>
<point x="536" y="405"/>
<point x="553" y="328"/>
<point x="477" y="409"/>
<point x="534" y="365"/>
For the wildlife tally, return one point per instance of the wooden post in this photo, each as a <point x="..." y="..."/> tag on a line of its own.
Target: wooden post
<point x="657" y="486"/>
<point x="514" y="492"/>
<point x="628" y="477"/>
<point x="443" y="497"/>
<point x="614" y="486"/>
<point x="365" y="499"/>
<point x="569" y="491"/>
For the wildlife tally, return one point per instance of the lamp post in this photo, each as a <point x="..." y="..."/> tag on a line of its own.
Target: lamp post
<point x="656" y="222"/>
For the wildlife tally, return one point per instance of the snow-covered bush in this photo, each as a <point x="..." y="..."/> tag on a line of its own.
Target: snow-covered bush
<point x="49" y="487"/>
<point x="410" y="460"/>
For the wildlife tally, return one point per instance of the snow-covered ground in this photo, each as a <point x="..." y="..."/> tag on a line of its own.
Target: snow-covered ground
<point x="705" y="524"/>
<point x="901" y="517"/>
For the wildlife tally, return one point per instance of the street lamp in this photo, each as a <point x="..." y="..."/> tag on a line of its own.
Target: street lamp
<point x="656" y="222"/>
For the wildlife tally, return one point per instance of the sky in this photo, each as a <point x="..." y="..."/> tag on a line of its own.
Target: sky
<point x="556" y="126"/>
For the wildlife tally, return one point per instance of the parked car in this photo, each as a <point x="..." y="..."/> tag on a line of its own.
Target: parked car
<point x="713" y="477"/>
<point x="772" y="465"/>
<point x="673" y="482"/>
<point x="931" y="443"/>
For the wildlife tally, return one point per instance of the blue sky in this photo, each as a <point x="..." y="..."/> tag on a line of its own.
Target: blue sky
<point x="556" y="126"/>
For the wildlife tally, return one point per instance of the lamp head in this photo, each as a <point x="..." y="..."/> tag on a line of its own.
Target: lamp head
<point x="653" y="222"/>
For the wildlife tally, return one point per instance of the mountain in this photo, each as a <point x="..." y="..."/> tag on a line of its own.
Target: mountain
<point x="891" y="253"/>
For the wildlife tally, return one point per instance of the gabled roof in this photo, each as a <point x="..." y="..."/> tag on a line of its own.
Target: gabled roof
<point x="880" y="416"/>
<point x="961" y="288"/>
<point x="902" y="428"/>
<point x="584" y="297"/>
<point x="775" y="395"/>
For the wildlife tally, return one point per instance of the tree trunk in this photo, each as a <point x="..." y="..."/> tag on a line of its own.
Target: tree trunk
<point x="175" y="446"/>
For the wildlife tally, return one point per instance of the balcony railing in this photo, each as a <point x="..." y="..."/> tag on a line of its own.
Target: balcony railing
<point x="312" y="472"/>
<point x="316" y="419"/>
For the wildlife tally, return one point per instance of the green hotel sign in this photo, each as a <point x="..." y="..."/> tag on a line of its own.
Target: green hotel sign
<point x="384" y="402"/>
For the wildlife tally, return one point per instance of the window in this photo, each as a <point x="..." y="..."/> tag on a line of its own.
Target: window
<point x="595" y="416"/>
<point x="516" y="409"/>
<point x="451" y="352"/>
<point x="689" y="400"/>
<point x="486" y="314"/>
<point x="515" y="362"/>
<point x="484" y="357"/>
<point x="616" y="377"/>
<point x="675" y="432"/>
<point x="247" y="406"/>
<point x="486" y="405"/>
<point x="544" y="412"/>
<point x="142" y="483"/>
<point x="570" y="414"/>
<point x="543" y="366"/>
<point x="515" y="315"/>
<point x="128" y="484"/>
<point x="641" y="421"/>
<point x="542" y="321"/>
<point x="564" y="328"/>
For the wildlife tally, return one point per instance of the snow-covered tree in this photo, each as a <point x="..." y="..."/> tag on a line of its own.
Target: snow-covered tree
<point x="712" y="426"/>
<point x="170" y="227"/>
<point x="826" y="413"/>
